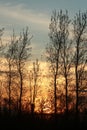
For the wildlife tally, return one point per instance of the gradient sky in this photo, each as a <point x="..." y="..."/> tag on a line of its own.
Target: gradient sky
<point x="36" y="15"/>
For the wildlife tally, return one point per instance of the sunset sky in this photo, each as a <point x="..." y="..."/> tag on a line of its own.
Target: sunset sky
<point x="36" y="15"/>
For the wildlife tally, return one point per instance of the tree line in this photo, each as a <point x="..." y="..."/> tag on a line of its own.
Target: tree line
<point x="66" y="55"/>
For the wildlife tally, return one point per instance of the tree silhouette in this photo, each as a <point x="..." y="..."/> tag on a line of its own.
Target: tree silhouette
<point x="9" y="55"/>
<point x="80" y="52"/>
<point x="34" y="76"/>
<point x="1" y="51"/>
<point x="21" y="55"/>
<point x="66" y="53"/>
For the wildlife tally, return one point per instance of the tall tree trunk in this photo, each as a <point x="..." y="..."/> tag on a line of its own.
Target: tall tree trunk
<point x="76" y="74"/>
<point x="21" y="92"/>
<point x="9" y="88"/>
<point x="55" y="97"/>
<point x="66" y="89"/>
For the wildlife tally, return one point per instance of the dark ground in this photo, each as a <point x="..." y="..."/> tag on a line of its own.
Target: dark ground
<point x="45" y="121"/>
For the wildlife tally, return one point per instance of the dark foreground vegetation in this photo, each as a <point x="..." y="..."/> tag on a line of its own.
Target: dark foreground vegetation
<point x="43" y="121"/>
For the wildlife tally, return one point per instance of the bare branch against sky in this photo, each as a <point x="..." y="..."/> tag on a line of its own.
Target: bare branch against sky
<point x="35" y="14"/>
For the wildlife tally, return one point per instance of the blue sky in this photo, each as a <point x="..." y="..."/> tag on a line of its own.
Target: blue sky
<point x="36" y="15"/>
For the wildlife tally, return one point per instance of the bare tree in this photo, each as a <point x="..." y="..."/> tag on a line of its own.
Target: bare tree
<point x="1" y="50"/>
<point x="22" y="54"/>
<point x="34" y="85"/>
<point x="9" y="55"/>
<point x="66" y="54"/>
<point x="1" y="45"/>
<point x="54" y="47"/>
<point x="80" y="52"/>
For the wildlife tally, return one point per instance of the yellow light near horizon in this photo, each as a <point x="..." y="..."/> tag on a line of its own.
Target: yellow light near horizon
<point x="44" y="82"/>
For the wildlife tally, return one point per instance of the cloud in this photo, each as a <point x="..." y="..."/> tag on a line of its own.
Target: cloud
<point x="17" y="17"/>
<point x="18" y="14"/>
